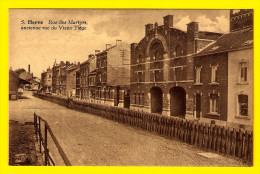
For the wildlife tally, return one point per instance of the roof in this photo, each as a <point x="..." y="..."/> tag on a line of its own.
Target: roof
<point x="15" y="75"/>
<point x="209" y="35"/>
<point x="235" y="40"/>
<point x="106" y="50"/>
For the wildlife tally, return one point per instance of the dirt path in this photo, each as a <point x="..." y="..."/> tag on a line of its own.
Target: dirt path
<point x="22" y="150"/>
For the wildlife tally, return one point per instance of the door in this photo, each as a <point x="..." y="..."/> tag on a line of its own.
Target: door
<point x="198" y="105"/>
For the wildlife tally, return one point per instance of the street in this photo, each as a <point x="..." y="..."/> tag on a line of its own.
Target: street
<point x="90" y="140"/>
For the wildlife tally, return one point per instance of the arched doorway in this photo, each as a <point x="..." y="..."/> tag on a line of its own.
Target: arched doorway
<point x="156" y="100"/>
<point x="178" y="102"/>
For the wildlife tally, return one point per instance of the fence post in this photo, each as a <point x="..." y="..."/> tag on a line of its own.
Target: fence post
<point x="45" y="145"/>
<point x="40" y="138"/>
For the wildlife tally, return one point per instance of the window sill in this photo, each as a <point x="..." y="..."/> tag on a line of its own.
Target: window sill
<point x="198" y="84"/>
<point x="214" y="83"/>
<point x="213" y="113"/>
<point x="242" y="117"/>
<point x="242" y="83"/>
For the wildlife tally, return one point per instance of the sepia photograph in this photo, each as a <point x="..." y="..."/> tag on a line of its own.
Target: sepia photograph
<point x="131" y="87"/>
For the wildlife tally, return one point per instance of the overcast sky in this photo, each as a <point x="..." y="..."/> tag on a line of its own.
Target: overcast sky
<point x="41" y="48"/>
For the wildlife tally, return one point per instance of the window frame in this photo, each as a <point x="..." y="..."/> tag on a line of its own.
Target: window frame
<point x="242" y="80"/>
<point x="239" y="107"/>
<point x="214" y="75"/>
<point x="214" y="104"/>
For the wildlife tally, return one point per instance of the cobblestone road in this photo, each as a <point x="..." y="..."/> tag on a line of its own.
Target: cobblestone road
<point x="89" y="140"/>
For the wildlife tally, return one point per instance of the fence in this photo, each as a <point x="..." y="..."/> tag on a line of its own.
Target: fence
<point x="44" y="141"/>
<point x="233" y="142"/>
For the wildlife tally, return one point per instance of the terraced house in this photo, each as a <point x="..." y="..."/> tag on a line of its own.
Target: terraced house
<point x="162" y="73"/>
<point x="223" y="86"/>
<point x="113" y="75"/>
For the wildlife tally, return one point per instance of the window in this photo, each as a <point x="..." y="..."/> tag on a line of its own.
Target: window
<point x="99" y="77"/>
<point x="214" y="103"/>
<point x="139" y="60"/>
<point x="142" y="99"/>
<point x="243" y="105"/>
<point x="197" y="78"/>
<point x="139" y="76"/>
<point x="178" y="50"/>
<point x="157" y="56"/>
<point x="156" y="75"/>
<point x="243" y="72"/>
<point x="214" y="78"/>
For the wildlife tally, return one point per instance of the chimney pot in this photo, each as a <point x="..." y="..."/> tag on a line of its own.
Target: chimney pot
<point x="29" y="68"/>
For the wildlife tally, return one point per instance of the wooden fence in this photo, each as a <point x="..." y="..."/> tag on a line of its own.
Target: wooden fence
<point x="232" y="142"/>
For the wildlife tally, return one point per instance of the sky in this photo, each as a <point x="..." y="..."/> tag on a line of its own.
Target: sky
<point x="41" y="48"/>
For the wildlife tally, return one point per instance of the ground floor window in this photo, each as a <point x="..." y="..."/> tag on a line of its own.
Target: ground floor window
<point x="214" y="102"/>
<point x="243" y="105"/>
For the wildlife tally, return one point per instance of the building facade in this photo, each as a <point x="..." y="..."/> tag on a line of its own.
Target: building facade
<point x="71" y="81"/>
<point x="46" y="81"/>
<point x="112" y="76"/>
<point x="223" y="85"/>
<point x="59" y="74"/>
<point x="162" y="68"/>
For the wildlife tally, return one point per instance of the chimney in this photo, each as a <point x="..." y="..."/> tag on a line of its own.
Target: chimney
<point x="108" y="46"/>
<point x="29" y="68"/>
<point x="133" y="46"/>
<point x="118" y="41"/>
<point x="90" y="56"/>
<point x="147" y="28"/>
<point x="67" y="63"/>
<point x="168" y="21"/>
<point x="192" y="35"/>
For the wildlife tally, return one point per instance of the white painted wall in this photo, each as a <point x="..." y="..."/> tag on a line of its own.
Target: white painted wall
<point x="235" y="88"/>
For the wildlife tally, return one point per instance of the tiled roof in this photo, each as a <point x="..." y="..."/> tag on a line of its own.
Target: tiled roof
<point x="228" y="42"/>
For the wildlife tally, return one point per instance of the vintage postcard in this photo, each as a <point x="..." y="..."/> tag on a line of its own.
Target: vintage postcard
<point x="131" y="87"/>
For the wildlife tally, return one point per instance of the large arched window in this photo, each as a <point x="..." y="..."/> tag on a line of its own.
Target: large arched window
<point x="156" y="51"/>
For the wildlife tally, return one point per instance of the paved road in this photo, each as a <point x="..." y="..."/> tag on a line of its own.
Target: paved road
<point x="89" y="140"/>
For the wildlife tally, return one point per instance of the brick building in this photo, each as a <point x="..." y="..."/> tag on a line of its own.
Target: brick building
<point x="112" y="76"/>
<point x="46" y="81"/>
<point x="223" y="85"/>
<point x="59" y="77"/>
<point x="162" y="68"/>
<point x="84" y="76"/>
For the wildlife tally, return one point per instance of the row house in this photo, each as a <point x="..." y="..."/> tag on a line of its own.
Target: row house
<point x="59" y="74"/>
<point x="46" y="81"/>
<point x="161" y="73"/>
<point x="112" y="76"/>
<point x="85" y="68"/>
<point x="72" y="80"/>
<point x="92" y="77"/>
<point x="223" y="78"/>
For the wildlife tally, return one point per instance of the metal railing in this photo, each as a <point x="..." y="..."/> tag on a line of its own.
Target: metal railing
<point x="43" y="141"/>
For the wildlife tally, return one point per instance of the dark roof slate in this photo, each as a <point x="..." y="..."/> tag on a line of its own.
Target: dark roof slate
<point x="228" y="42"/>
